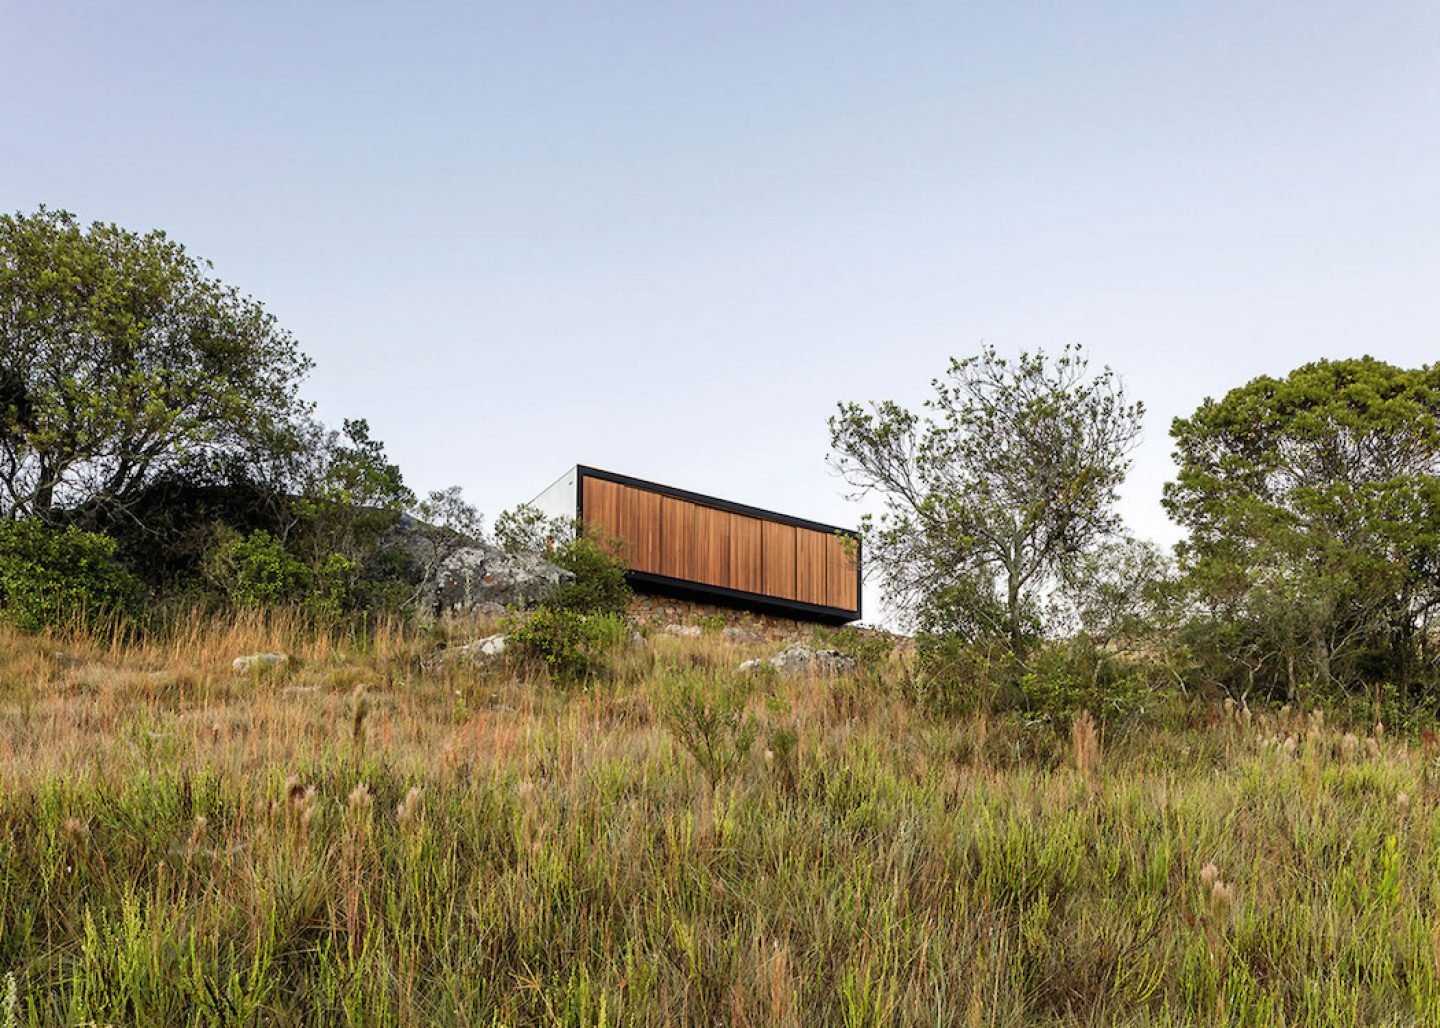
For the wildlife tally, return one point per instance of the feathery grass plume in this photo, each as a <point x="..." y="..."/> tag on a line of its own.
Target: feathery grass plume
<point x="1402" y="803"/>
<point x="360" y="708"/>
<point x="197" y="832"/>
<point x="1219" y="894"/>
<point x="12" y="1002"/>
<point x="1086" y="740"/>
<point x="1372" y="747"/>
<point x="1222" y="897"/>
<point x="1289" y="745"/>
<point x="1349" y="743"/>
<point x="75" y="829"/>
<point x="408" y="808"/>
<point x="360" y="799"/>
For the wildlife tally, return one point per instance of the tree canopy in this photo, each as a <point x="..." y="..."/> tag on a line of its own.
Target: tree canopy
<point x="122" y="356"/>
<point x="1313" y="507"/>
<point x="989" y="496"/>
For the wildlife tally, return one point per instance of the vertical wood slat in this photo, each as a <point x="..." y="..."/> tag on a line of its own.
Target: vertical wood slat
<point x="712" y="546"/>
<point x="640" y="527"/>
<point x="841" y="588"/>
<point x="747" y="572"/>
<point x="677" y="535"/>
<point x="810" y="565"/>
<point x="779" y="571"/>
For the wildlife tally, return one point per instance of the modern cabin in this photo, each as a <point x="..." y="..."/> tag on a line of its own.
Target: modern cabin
<point x="703" y="548"/>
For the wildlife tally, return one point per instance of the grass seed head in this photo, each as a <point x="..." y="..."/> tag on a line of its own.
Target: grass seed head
<point x="409" y="808"/>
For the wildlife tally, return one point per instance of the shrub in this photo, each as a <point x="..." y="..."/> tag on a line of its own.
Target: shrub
<point x="572" y="646"/>
<point x="707" y="716"/>
<point x="61" y="578"/>
<point x="599" y="586"/>
<point x="1064" y="679"/>
<point x="256" y="570"/>
<point x="955" y="676"/>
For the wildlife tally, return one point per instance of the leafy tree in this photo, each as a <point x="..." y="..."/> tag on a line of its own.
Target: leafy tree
<point x="1313" y="504"/>
<point x="120" y="358"/>
<point x="992" y="494"/>
<point x="527" y="529"/>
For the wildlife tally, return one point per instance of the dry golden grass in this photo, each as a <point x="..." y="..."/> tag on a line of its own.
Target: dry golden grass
<point x="371" y="835"/>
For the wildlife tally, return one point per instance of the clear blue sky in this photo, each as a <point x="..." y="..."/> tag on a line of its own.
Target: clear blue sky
<point x="666" y="238"/>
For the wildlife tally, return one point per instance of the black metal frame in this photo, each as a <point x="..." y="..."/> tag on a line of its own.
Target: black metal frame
<point x="685" y="588"/>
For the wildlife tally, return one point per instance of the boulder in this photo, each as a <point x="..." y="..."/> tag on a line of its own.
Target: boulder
<point x="741" y="634"/>
<point x="485" y="580"/>
<point x="259" y="661"/>
<point x="480" y="650"/>
<point x="683" y="631"/>
<point x="800" y="660"/>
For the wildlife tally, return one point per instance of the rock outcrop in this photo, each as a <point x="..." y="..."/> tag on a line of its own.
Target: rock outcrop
<point x="802" y="660"/>
<point x="485" y="580"/>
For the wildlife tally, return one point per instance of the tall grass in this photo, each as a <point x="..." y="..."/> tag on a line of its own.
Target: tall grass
<point x="374" y="836"/>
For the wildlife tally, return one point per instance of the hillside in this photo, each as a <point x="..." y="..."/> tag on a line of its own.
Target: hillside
<point x="371" y="835"/>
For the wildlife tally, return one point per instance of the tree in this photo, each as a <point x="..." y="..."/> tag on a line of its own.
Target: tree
<point x="992" y="495"/>
<point x="1313" y="506"/>
<point x="121" y="357"/>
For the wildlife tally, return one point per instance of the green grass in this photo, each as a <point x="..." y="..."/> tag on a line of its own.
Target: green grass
<point x="179" y="845"/>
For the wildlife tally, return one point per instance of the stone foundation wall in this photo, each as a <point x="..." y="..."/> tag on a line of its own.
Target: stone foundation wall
<point x="665" y="610"/>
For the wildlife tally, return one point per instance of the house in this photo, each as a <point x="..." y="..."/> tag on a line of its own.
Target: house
<point x="697" y="547"/>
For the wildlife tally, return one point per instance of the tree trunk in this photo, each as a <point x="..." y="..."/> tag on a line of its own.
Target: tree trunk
<point x="1320" y="657"/>
<point x="1017" y="639"/>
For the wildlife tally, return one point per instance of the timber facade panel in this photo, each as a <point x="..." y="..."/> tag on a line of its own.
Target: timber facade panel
<point x="704" y="547"/>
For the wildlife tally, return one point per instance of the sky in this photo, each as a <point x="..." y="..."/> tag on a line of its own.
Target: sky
<point x="666" y="239"/>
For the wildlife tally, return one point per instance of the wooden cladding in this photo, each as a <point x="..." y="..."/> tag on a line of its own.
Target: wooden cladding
<point x="693" y="542"/>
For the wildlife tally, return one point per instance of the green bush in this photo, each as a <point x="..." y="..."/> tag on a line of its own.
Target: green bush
<point x="599" y="586"/>
<point x="955" y="676"/>
<point x="573" y="647"/>
<point x="62" y="577"/>
<point x="707" y="716"/>
<point x="1063" y="679"/>
<point x="256" y="570"/>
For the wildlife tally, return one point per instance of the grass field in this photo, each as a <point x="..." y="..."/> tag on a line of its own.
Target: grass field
<point x="367" y="839"/>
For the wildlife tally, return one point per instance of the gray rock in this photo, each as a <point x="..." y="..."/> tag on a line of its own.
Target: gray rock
<point x="480" y="650"/>
<point x="683" y="631"/>
<point x="257" y="661"/>
<point x="638" y="641"/>
<point x="800" y="660"/>
<point x="753" y="664"/>
<point x="741" y="634"/>
<point x="485" y="580"/>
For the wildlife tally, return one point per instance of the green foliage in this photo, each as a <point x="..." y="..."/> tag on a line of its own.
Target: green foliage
<point x="989" y="497"/>
<point x="599" y="586"/>
<point x="527" y="529"/>
<point x="122" y="358"/>
<point x="256" y="570"/>
<point x="573" y="646"/>
<point x="706" y="714"/>
<point x="1313" y="504"/>
<point x="62" y="577"/>
<point x="1063" y="679"/>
